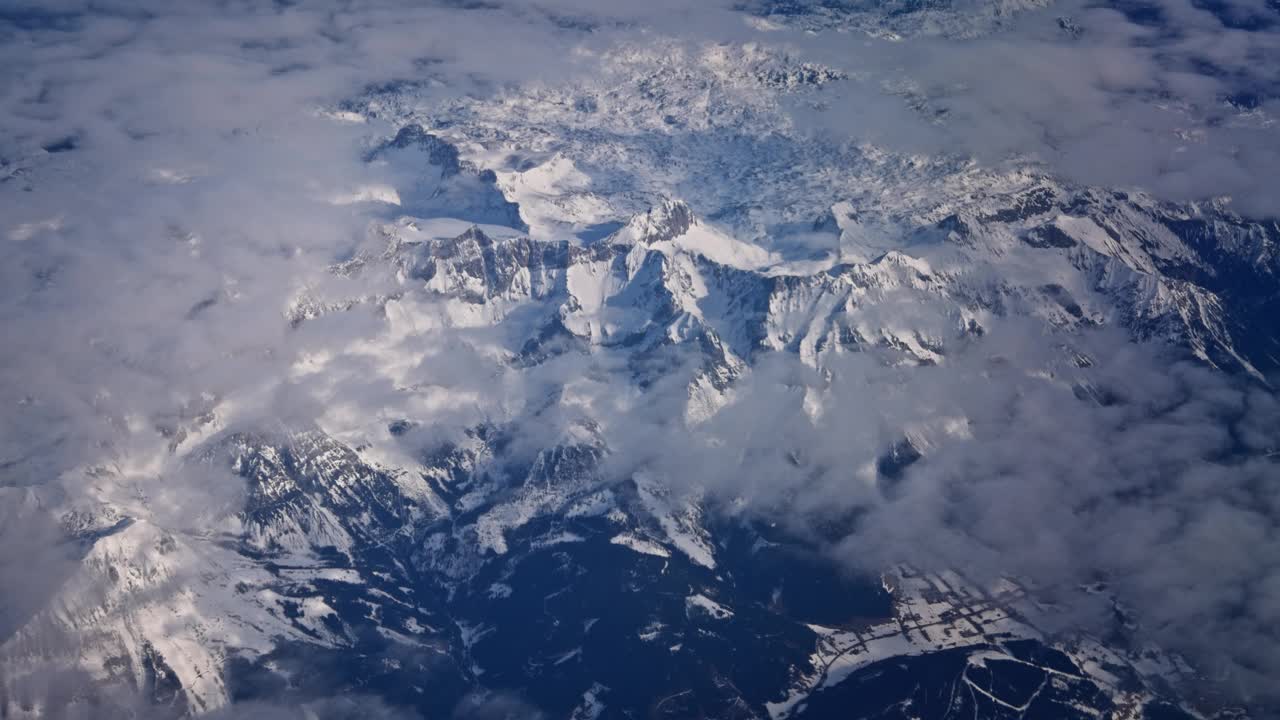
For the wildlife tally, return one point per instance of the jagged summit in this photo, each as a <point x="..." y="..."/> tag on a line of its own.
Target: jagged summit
<point x="663" y="222"/>
<point x="672" y="226"/>
<point x="414" y="136"/>
<point x="429" y="179"/>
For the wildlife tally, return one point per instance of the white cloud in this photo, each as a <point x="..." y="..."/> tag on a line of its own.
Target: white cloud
<point x="148" y="268"/>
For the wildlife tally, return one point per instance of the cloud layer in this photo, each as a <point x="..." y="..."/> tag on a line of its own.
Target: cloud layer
<point x="168" y="176"/>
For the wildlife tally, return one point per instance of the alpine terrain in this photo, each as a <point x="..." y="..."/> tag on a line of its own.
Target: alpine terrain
<point x="639" y="392"/>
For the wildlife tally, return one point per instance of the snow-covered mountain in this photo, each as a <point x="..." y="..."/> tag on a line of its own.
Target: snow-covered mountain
<point x="556" y="282"/>
<point x="424" y="569"/>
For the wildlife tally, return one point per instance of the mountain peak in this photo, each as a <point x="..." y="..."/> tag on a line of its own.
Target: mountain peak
<point x="664" y="221"/>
